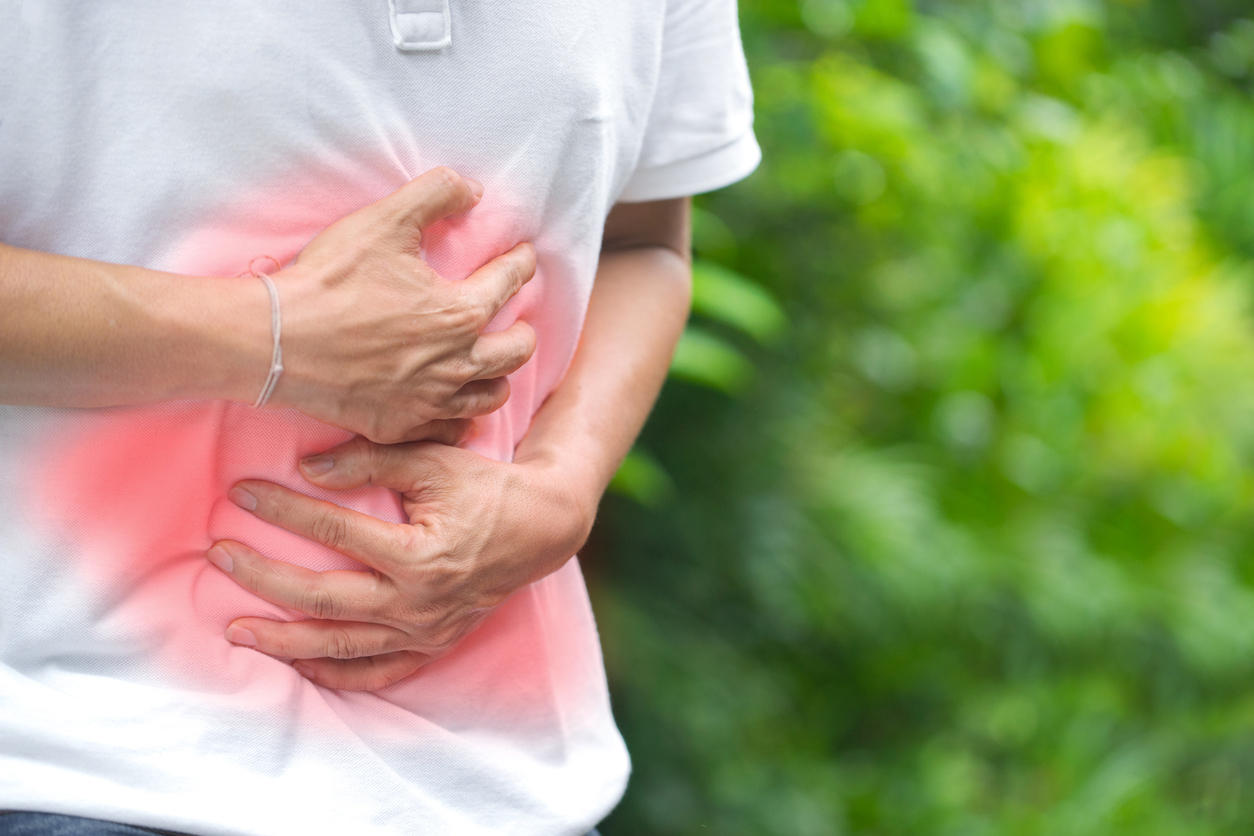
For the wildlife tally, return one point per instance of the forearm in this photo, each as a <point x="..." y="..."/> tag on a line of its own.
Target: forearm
<point x="81" y="333"/>
<point x="637" y="312"/>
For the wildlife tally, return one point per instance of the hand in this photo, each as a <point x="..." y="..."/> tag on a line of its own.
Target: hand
<point x="478" y="530"/>
<point x="375" y="342"/>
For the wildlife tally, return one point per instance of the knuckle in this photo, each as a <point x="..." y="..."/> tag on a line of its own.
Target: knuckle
<point x="464" y="369"/>
<point x="379" y="458"/>
<point x="467" y="313"/>
<point x="445" y="177"/>
<point x="447" y="410"/>
<point x="517" y="269"/>
<point x="330" y="529"/>
<point x="404" y="540"/>
<point x="527" y="254"/>
<point x="342" y="645"/>
<point x="523" y="264"/>
<point x="318" y="602"/>
<point x="481" y="310"/>
<point x="483" y="400"/>
<point x="445" y="639"/>
<point x="526" y="341"/>
<point x="497" y="396"/>
<point x="451" y="184"/>
<point x="424" y="618"/>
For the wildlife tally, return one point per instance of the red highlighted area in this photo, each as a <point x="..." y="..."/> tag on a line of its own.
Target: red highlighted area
<point x="136" y="495"/>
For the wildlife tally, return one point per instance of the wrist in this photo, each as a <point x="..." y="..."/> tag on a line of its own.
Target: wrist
<point x="222" y="326"/>
<point x="572" y="490"/>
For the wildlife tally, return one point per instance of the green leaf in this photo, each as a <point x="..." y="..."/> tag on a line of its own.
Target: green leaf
<point x="733" y="300"/>
<point x="711" y="237"/>
<point x="642" y="478"/>
<point x="708" y="360"/>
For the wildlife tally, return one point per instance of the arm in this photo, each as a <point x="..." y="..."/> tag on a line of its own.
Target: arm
<point x="81" y="333"/>
<point x="636" y="314"/>
<point x="480" y="529"/>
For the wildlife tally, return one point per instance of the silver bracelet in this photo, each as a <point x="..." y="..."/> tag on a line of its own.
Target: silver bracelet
<point x="276" y="330"/>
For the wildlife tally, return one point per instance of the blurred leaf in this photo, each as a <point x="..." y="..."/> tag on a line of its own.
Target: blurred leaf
<point x="642" y="478"/>
<point x="711" y="238"/>
<point x="731" y="299"/>
<point x="708" y="360"/>
<point x="883" y="18"/>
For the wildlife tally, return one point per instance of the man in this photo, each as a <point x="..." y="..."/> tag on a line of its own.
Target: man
<point x="196" y="633"/>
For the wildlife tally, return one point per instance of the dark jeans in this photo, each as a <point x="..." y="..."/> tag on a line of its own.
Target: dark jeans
<point x="52" y="824"/>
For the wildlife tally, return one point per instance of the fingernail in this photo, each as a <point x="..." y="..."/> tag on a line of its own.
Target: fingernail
<point x="220" y="557"/>
<point x="476" y="187"/>
<point x="317" y="465"/>
<point x="240" y="636"/>
<point x="242" y="498"/>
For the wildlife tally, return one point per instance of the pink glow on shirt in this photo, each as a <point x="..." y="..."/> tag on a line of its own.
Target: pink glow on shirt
<point x="139" y="493"/>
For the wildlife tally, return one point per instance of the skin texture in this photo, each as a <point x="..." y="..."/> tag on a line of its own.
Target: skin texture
<point x="478" y="529"/>
<point x="375" y="342"/>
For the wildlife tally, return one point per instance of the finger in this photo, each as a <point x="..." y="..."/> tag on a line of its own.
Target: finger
<point x="360" y="462"/>
<point x="341" y="594"/>
<point x="371" y="673"/>
<point x="496" y="282"/>
<point x="316" y="639"/>
<point x="432" y="196"/>
<point x="444" y="431"/>
<point x="380" y="545"/>
<point x="503" y="352"/>
<point x="479" y="397"/>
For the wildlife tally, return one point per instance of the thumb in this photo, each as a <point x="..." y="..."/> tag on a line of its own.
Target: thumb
<point x="360" y="461"/>
<point x="431" y="197"/>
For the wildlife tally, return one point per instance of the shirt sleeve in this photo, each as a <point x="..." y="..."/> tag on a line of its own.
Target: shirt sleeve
<point x="699" y="136"/>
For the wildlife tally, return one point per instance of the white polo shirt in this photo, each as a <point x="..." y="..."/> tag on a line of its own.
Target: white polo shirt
<point x="193" y="137"/>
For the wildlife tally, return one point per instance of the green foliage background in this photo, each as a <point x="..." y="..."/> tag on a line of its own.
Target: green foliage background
<point x="944" y="523"/>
